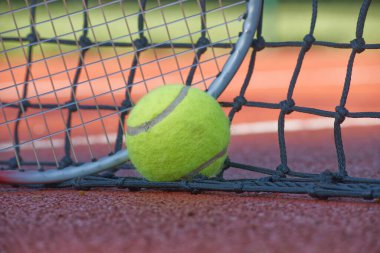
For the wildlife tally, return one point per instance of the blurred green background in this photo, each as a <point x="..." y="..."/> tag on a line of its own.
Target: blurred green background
<point x="283" y="20"/>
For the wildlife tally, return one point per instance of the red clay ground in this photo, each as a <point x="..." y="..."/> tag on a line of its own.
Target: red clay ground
<point x="113" y="220"/>
<point x="120" y="221"/>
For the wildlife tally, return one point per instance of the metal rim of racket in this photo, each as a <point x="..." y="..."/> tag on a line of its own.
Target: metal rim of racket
<point x="253" y="11"/>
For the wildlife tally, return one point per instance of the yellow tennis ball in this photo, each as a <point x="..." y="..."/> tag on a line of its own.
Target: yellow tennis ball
<point x="175" y="132"/>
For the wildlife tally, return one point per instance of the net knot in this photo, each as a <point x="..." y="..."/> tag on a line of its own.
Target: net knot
<point x="32" y="37"/>
<point x="65" y="162"/>
<point x="341" y="114"/>
<point x="120" y="182"/>
<point x="71" y="106"/>
<point x="286" y="106"/>
<point x="282" y="169"/>
<point x="25" y="104"/>
<point x="84" y="41"/>
<point x="127" y="103"/>
<point x="358" y="45"/>
<point x="329" y="177"/>
<point x="12" y="163"/>
<point x="258" y="44"/>
<point x="239" y="188"/>
<point x="308" y="41"/>
<point x="202" y="44"/>
<point x="281" y="172"/>
<point x="140" y="43"/>
<point x="239" y="102"/>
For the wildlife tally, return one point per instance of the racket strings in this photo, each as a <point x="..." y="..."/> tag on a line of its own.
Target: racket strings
<point x="67" y="52"/>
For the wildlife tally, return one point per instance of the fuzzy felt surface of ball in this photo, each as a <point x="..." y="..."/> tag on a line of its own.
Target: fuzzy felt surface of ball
<point x="176" y="132"/>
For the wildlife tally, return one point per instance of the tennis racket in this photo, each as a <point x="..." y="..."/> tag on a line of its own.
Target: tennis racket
<point x="71" y="71"/>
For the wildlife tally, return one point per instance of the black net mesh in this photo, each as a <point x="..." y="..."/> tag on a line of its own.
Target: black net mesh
<point x="194" y="58"/>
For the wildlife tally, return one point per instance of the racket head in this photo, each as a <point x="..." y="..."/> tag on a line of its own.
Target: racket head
<point x="80" y="75"/>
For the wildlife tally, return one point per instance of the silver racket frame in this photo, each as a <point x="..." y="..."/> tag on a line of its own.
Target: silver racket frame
<point x="232" y="65"/>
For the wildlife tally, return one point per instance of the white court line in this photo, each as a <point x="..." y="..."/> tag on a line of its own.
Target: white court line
<point x="236" y="130"/>
<point x="298" y="125"/>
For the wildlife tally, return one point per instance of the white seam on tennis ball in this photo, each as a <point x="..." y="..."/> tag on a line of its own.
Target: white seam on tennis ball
<point x="205" y="164"/>
<point x="144" y="127"/>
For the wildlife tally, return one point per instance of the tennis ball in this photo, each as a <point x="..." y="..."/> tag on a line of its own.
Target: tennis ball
<point x="175" y="132"/>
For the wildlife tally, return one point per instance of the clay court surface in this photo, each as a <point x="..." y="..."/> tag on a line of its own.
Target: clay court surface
<point x="47" y="220"/>
<point x="116" y="220"/>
